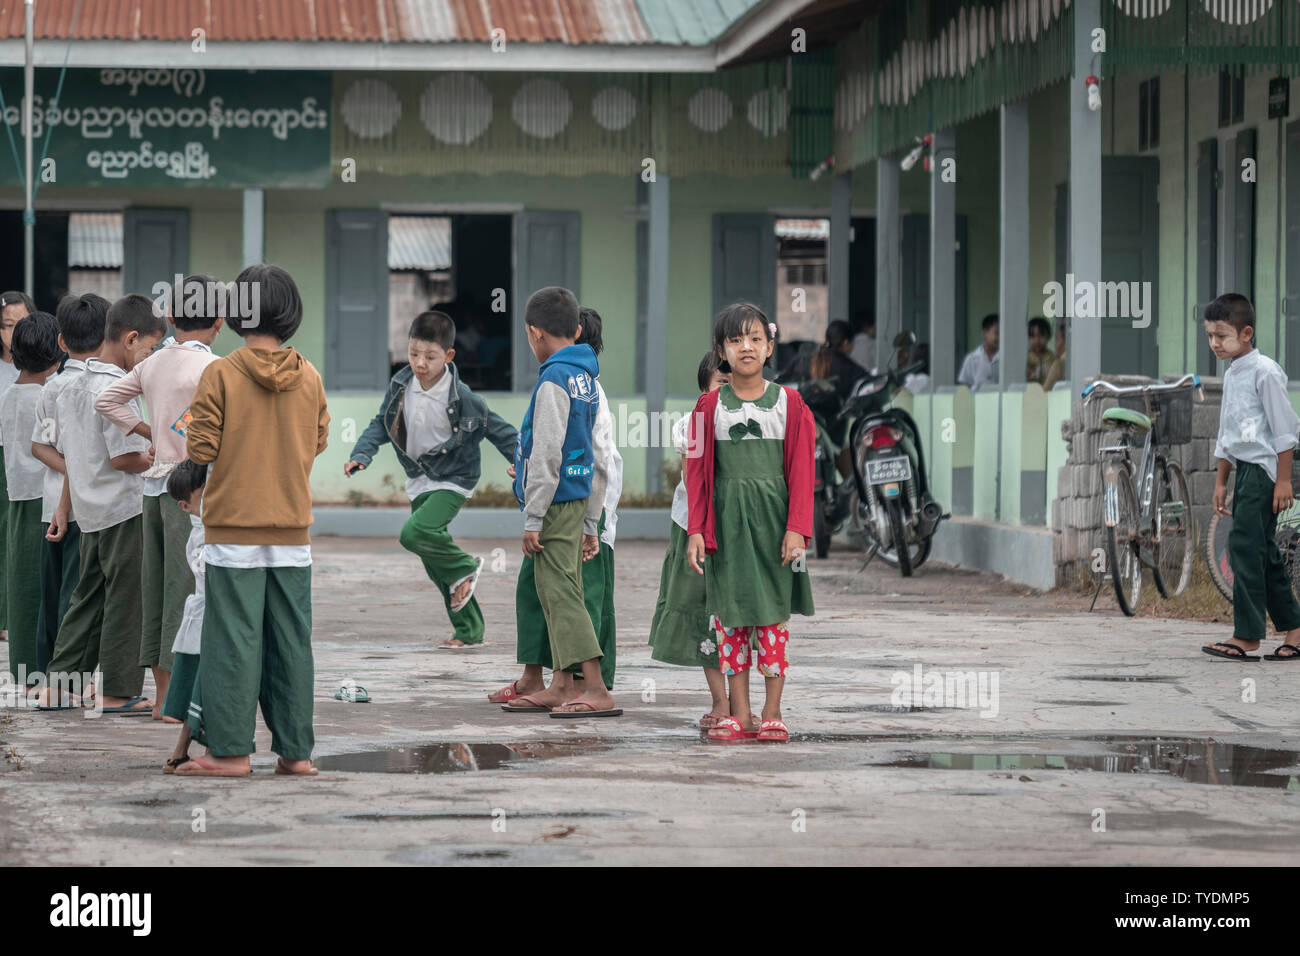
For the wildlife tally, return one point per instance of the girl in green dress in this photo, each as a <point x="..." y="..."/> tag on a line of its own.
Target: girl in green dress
<point x="681" y="632"/>
<point x="750" y="503"/>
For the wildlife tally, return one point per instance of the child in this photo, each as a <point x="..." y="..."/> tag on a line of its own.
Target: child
<point x="560" y="479"/>
<point x="533" y="648"/>
<point x="1257" y="433"/>
<point x="36" y="355"/>
<point x="1040" y="358"/>
<point x="13" y="306"/>
<point x="258" y="421"/>
<point x="81" y="320"/>
<point x="185" y="486"/>
<point x="104" y="488"/>
<point x="682" y="632"/>
<point x="436" y="425"/>
<point x="751" y="485"/>
<point x="167" y="380"/>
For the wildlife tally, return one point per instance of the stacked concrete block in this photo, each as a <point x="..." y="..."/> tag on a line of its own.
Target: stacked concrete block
<point x="1076" y="514"/>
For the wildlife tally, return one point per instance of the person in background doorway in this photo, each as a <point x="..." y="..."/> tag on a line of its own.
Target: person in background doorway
<point x="830" y="361"/>
<point x="1039" y="361"/>
<point x="1058" y="369"/>
<point x="982" y="366"/>
<point x="864" y="342"/>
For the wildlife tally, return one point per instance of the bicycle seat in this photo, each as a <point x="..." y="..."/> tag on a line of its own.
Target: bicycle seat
<point x="1127" y="418"/>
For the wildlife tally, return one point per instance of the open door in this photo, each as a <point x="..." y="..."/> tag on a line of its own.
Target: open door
<point x="155" y="247"/>
<point x="1291" y="304"/>
<point x="915" y="266"/>
<point x="1207" y="247"/>
<point x="546" y="254"/>
<point x="356" y="299"/>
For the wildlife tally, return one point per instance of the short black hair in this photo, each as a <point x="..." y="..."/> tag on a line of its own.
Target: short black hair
<point x="82" y="319"/>
<point x="1233" y="308"/>
<point x="434" y="326"/>
<point x="205" y="312"/>
<point x="1040" y="323"/>
<point x="36" y="343"/>
<point x="837" y="333"/>
<point x="185" y="479"/>
<point x="592" y="329"/>
<point x="554" y="310"/>
<point x="708" y="365"/>
<point x="732" y="321"/>
<point x="989" y="321"/>
<point x="133" y="313"/>
<point x="279" y="306"/>
<point x="17" y="298"/>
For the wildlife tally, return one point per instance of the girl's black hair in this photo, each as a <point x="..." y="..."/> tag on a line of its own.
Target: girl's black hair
<point x="732" y="322"/>
<point x="591" y="324"/>
<point x="15" y="298"/>
<point x="185" y="479"/>
<point x="279" y="305"/>
<point x="36" y="343"/>
<point x="837" y="333"/>
<point x="708" y="365"/>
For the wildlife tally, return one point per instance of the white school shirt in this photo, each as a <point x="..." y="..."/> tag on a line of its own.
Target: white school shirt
<point x="613" y="467"/>
<point x="191" y="630"/>
<point x="46" y="432"/>
<point x="102" y="495"/>
<point x="1256" y="420"/>
<point x="155" y="487"/>
<point x="681" y="443"/>
<point x="25" y="475"/>
<point x="424" y="411"/>
<point x="978" y="369"/>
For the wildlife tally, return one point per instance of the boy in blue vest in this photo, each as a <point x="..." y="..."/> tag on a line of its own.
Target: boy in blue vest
<point x="560" y="478"/>
<point x="435" y="424"/>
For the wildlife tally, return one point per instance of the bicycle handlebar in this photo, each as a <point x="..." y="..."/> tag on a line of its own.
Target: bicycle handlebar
<point x="1194" y="379"/>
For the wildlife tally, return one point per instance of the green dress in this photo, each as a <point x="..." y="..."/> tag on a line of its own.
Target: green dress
<point x="680" y="632"/>
<point x="745" y="582"/>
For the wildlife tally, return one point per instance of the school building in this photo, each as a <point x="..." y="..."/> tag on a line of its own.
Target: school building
<point x="923" y="161"/>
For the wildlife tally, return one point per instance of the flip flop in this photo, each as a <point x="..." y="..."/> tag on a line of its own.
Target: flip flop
<point x="279" y="769"/>
<point x="1240" y="655"/>
<point x="537" y="706"/>
<point x="473" y="583"/>
<point x="507" y="693"/>
<point x="207" y="770"/>
<point x="171" y="765"/>
<point x="591" y="711"/>
<point x="773" y="732"/>
<point x="1294" y="654"/>
<point x="729" y="731"/>
<point x="59" y="706"/>
<point x="355" y="694"/>
<point x="129" y="709"/>
<point x="448" y="646"/>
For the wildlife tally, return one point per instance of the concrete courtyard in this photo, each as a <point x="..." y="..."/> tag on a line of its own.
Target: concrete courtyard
<point x="1098" y="741"/>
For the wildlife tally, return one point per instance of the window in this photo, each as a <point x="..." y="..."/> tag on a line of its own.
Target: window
<point x="1232" y="98"/>
<point x="1149" y="114"/>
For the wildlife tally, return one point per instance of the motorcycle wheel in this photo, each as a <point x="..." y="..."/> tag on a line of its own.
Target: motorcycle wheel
<point x="897" y="526"/>
<point x="821" y="533"/>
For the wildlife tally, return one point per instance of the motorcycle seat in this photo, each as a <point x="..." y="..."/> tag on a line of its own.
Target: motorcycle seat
<point x="1127" y="418"/>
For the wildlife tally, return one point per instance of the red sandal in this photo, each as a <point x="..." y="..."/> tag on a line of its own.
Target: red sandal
<point x="773" y="732"/>
<point x="729" y="731"/>
<point x="505" y="694"/>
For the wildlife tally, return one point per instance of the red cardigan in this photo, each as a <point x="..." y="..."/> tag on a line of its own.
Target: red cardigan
<point x="800" y="443"/>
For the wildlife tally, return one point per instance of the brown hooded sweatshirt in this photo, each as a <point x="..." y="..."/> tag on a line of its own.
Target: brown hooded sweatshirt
<point x="259" y="421"/>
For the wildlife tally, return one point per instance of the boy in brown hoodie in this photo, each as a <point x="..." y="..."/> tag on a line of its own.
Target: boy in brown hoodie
<point x="259" y="421"/>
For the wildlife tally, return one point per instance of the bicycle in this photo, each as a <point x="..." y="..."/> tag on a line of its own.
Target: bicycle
<point x="1287" y="537"/>
<point x="1155" y="530"/>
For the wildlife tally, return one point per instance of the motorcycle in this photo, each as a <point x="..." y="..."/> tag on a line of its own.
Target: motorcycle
<point x="892" y="509"/>
<point x="832" y="496"/>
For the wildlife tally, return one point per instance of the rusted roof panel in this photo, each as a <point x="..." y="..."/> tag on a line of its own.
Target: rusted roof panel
<point x="605" y="22"/>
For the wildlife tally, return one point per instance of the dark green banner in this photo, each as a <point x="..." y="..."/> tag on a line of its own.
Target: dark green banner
<point x="155" y="128"/>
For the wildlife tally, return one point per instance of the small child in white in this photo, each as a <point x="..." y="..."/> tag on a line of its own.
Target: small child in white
<point x="185" y="484"/>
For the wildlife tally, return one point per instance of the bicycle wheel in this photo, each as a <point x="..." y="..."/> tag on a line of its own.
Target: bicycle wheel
<point x="1174" y="540"/>
<point x="1216" y="551"/>
<point x="1121" y="510"/>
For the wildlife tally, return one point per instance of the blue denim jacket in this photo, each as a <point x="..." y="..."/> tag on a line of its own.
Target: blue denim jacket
<point x="457" y="459"/>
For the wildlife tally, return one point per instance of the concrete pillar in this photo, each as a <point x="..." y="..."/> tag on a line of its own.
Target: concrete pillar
<point x="888" y="275"/>
<point x="943" y="262"/>
<point x="656" y="333"/>
<point x="1084" y="347"/>
<point x="1013" y="240"/>
<point x="837" y="250"/>
<point x="254" y="227"/>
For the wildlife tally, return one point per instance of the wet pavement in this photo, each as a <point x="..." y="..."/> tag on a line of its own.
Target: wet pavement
<point x="1064" y="737"/>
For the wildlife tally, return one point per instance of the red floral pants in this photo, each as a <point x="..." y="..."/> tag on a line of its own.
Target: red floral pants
<point x="735" y="653"/>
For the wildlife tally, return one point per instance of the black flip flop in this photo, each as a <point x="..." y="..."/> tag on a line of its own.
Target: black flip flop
<point x="571" y="714"/>
<point x="535" y="709"/>
<point x="1293" y="656"/>
<point x="1240" y="656"/>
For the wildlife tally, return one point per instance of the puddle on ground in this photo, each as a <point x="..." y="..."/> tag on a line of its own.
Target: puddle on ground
<point x="1124" y="678"/>
<point x="1083" y="703"/>
<point x="456" y="757"/>
<point x="1194" y="759"/>
<point x="888" y="709"/>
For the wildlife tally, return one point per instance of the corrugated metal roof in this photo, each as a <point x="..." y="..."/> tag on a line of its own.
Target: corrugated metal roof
<point x="609" y="22"/>
<point x="95" y="240"/>
<point x="692" y="23"/>
<point x="419" y="242"/>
